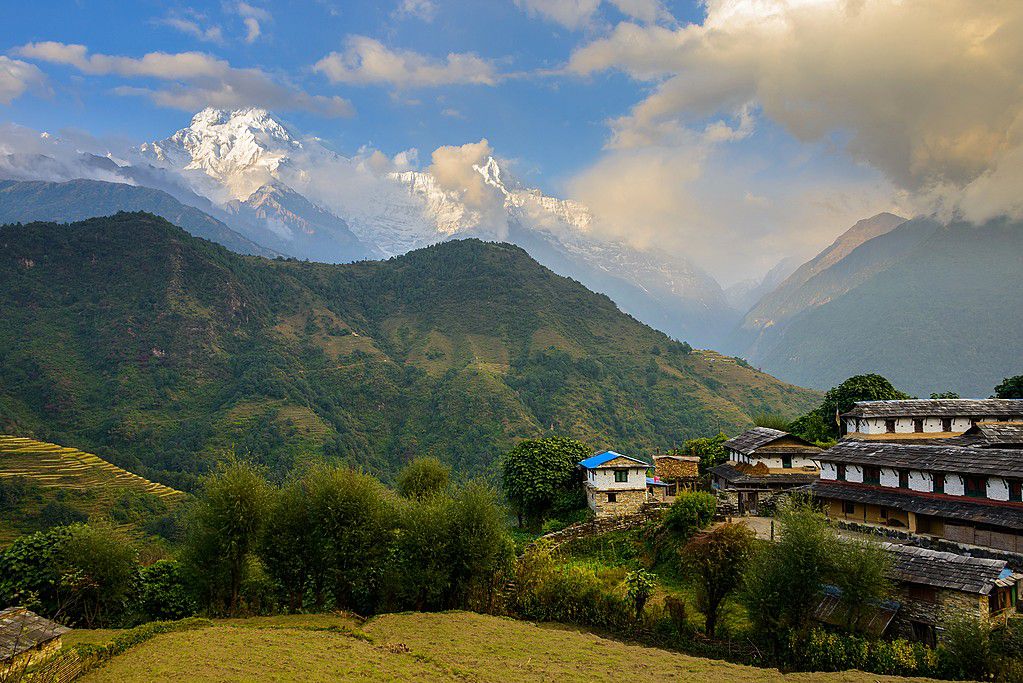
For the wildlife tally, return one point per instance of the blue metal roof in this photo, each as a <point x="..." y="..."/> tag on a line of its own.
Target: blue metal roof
<point x="607" y="456"/>
<point x="650" y="481"/>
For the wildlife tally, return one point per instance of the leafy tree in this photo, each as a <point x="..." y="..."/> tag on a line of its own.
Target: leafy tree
<point x="823" y="422"/>
<point x="966" y="648"/>
<point x="535" y="471"/>
<point x="30" y="571"/>
<point x="1011" y="387"/>
<point x="98" y="565"/>
<point x="718" y="559"/>
<point x="422" y="477"/>
<point x="945" y="394"/>
<point x="482" y="551"/>
<point x="423" y="551"/>
<point x="783" y="583"/>
<point x="691" y="511"/>
<point x="163" y="592"/>
<point x="860" y="570"/>
<point x="224" y="526"/>
<point x="710" y="450"/>
<point x="639" y="586"/>
<point x="286" y="547"/>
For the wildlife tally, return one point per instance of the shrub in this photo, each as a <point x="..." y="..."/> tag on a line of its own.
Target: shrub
<point x="965" y="650"/>
<point x="162" y="592"/>
<point x="423" y="477"/>
<point x="639" y="586"/>
<point x="98" y="566"/>
<point x="820" y="650"/>
<point x="691" y="511"/>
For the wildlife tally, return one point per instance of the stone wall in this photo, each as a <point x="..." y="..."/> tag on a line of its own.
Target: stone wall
<point x="946" y="603"/>
<point x="603" y="525"/>
<point x="627" y="502"/>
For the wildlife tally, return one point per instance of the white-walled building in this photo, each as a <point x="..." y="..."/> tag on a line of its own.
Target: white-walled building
<point x="926" y="418"/>
<point x="964" y="494"/>
<point x="615" y="484"/>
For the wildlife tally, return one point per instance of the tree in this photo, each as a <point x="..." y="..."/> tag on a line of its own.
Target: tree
<point x="482" y="550"/>
<point x="691" y="511"/>
<point x="784" y="580"/>
<point x="30" y="571"/>
<point x="286" y="546"/>
<point x="639" y="587"/>
<point x="945" y="394"/>
<point x="224" y="525"/>
<point x="162" y="592"/>
<point x="710" y="450"/>
<point x="1011" y="387"/>
<point x="98" y="566"/>
<point x="717" y="559"/>
<point x="423" y="551"/>
<point x="821" y="424"/>
<point x="860" y="570"/>
<point x="423" y="477"/>
<point x="534" y="472"/>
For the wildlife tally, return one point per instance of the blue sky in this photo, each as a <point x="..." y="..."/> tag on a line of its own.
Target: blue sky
<point x="737" y="131"/>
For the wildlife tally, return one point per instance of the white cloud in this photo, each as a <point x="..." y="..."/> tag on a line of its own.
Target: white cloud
<point x="424" y="10"/>
<point x="368" y="61"/>
<point x="647" y="11"/>
<point x="930" y="94"/>
<point x="209" y="34"/>
<point x="251" y="16"/>
<point x="16" y="77"/>
<point x="572" y="14"/>
<point x="199" y="80"/>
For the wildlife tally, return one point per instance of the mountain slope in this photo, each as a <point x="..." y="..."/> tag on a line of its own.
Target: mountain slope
<point x="128" y="336"/>
<point x="931" y="307"/>
<point x="75" y="200"/>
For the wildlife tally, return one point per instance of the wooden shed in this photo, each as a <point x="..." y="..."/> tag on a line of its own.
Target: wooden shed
<point x="26" y="639"/>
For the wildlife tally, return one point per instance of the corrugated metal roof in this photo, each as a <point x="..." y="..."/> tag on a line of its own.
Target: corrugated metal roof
<point x="927" y="457"/>
<point x="22" y="630"/>
<point x="607" y="456"/>
<point x="939" y="407"/>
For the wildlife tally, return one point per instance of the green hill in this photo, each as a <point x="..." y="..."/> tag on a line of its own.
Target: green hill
<point x="451" y="646"/>
<point x="128" y="337"/>
<point x="43" y="483"/>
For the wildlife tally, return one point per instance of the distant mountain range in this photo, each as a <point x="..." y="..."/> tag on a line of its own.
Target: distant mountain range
<point x="294" y="196"/>
<point x="161" y="351"/>
<point x="932" y="306"/>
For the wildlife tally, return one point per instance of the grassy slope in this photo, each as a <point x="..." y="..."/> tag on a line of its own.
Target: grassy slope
<point x="450" y="646"/>
<point x="82" y="481"/>
<point x="127" y="336"/>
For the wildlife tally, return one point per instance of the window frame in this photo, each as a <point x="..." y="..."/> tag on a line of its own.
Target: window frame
<point x="621" y="476"/>
<point x="889" y="426"/>
<point x="970" y="488"/>
<point x="871" y="475"/>
<point x="938" y="482"/>
<point x="903" y="479"/>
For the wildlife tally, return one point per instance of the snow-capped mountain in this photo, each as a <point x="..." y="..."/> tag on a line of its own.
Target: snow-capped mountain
<point x="293" y="194"/>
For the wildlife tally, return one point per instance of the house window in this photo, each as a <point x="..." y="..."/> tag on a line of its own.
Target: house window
<point x="976" y="487"/>
<point x="889" y="426"/>
<point x="939" y="482"/>
<point x="922" y="593"/>
<point x="871" y="475"/>
<point x="849" y="508"/>
<point x="1016" y="491"/>
<point x="923" y="633"/>
<point x="918" y="426"/>
<point x="903" y="479"/>
<point x="841" y="472"/>
<point x="612" y="497"/>
<point x="883" y="512"/>
<point x="946" y="424"/>
<point x="621" y="475"/>
<point x="786" y="461"/>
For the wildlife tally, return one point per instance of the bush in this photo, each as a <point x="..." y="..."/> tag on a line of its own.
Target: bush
<point x="691" y="511"/>
<point x="820" y="650"/>
<point x="423" y="477"/>
<point x="162" y="592"/>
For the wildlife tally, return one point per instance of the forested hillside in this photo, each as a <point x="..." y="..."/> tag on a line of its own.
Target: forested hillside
<point x="159" y="351"/>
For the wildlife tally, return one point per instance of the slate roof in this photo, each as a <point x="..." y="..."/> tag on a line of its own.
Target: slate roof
<point x="991" y="435"/>
<point x="928" y="457"/>
<point x="598" y="460"/>
<point x="739" y="478"/>
<point x="874" y="620"/>
<point x="944" y="570"/>
<point x="21" y="630"/>
<point x="752" y="439"/>
<point x="939" y="407"/>
<point x="1009" y="516"/>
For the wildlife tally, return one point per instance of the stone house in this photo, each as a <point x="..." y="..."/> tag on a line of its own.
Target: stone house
<point x="932" y="585"/>
<point x="962" y="494"/>
<point x="925" y="418"/>
<point x="615" y="484"/>
<point x="673" y="473"/>
<point x="761" y="463"/>
<point x="26" y="639"/>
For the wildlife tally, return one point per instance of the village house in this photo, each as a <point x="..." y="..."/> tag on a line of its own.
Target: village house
<point x="925" y="418"/>
<point x="991" y="435"/>
<point x="673" y="473"/>
<point x="931" y="586"/>
<point x="26" y="639"/>
<point x="615" y="484"/>
<point x="963" y="494"/>
<point x="761" y="463"/>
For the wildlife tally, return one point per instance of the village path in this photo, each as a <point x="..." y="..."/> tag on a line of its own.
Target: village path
<point x="762" y="527"/>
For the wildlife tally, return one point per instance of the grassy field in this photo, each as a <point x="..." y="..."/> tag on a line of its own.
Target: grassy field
<point x="50" y="477"/>
<point x="451" y="646"/>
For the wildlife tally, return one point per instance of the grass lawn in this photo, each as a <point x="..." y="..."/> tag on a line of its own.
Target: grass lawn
<point x="436" y="647"/>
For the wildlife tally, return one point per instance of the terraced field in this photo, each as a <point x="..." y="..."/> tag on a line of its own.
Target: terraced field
<point x="44" y="482"/>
